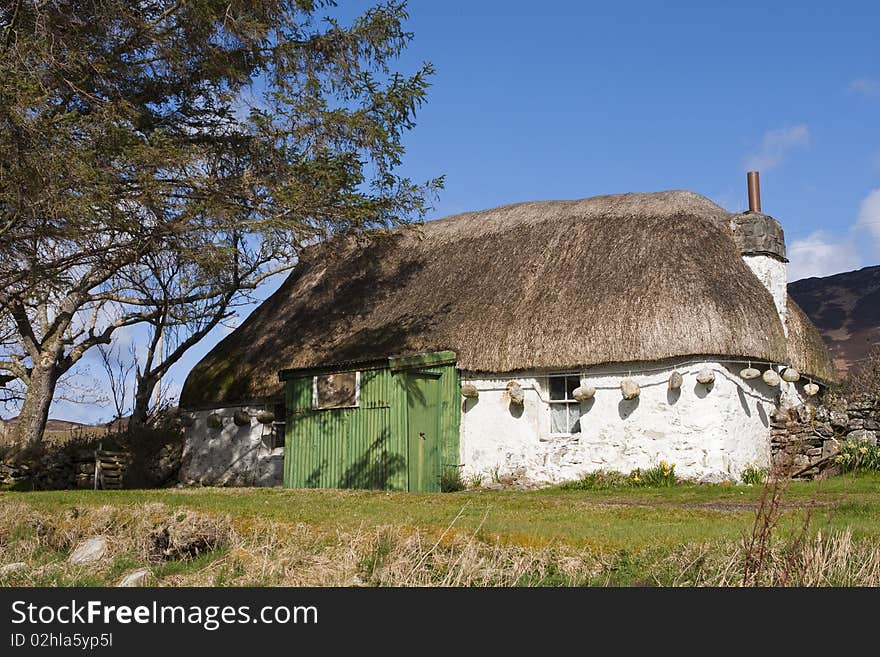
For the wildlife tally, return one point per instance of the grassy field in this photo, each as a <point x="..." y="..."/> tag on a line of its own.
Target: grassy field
<point x="655" y="532"/>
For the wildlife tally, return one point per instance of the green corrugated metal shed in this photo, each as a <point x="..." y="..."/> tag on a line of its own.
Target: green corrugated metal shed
<point x="401" y="435"/>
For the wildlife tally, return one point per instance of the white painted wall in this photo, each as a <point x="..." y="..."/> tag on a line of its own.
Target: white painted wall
<point x="709" y="433"/>
<point x="230" y="455"/>
<point x="773" y="273"/>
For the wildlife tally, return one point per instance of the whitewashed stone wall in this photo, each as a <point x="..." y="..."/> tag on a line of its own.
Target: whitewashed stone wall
<point x="231" y="455"/>
<point x="773" y="273"/>
<point x="710" y="433"/>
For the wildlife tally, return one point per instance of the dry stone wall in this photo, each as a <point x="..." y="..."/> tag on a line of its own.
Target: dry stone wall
<point x="805" y="438"/>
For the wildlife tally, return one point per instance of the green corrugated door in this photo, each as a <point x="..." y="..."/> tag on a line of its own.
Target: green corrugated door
<point x="423" y="431"/>
<point x="377" y="443"/>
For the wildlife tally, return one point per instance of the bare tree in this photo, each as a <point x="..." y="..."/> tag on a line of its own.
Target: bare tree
<point x="118" y="369"/>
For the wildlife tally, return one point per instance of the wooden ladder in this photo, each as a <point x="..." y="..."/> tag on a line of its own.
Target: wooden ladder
<point x="109" y="467"/>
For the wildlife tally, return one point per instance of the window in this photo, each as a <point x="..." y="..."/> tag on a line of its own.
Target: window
<point x="279" y="426"/>
<point x="565" y="410"/>
<point x="339" y="390"/>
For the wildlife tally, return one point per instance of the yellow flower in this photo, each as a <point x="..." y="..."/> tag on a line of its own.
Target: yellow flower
<point x="636" y="478"/>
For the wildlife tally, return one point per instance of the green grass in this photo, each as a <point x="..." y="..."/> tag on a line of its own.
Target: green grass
<point x="606" y="519"/>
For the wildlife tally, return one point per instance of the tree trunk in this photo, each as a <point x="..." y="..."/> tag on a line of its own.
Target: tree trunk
<point x="142" y="395"/>
<point x="28" y="430"/>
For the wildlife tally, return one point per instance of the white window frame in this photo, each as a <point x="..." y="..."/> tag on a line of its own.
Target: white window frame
<point x="357" y="392"/>
<point x="569" y="402"/>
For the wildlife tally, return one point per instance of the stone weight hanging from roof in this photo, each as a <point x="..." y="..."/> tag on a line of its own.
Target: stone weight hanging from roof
<point x="469" y="390"/>
<point x="629" y="389"/>
<point x="749" y="373"/>
<point x="811" y="390"/>
<point x="516" y="393"/>
<point x="265" y="417"/>
<point x="790" y="374"/>
<point x="706" y="377"/>
<point x="584" y="393"/>
<point x="241" y="418"/>
<point x="770" y="377"/>
<point x="214" y="421"/>
<point x="676" y="380"/>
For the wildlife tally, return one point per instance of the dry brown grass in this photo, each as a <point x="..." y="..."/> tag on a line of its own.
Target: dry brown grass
<point x="187" y="548"/>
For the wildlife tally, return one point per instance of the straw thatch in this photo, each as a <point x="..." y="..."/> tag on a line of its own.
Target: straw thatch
<point x="806" y="349"/>
<point x="540" y="285"/>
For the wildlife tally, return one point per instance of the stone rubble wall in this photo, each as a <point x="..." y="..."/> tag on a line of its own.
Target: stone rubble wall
<point x="804" y="438"/>
<point x="64" y="468"/>
<point x="58" y="470"/>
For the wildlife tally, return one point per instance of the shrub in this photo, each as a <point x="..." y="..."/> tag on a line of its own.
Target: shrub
<point x="657" y="477"/>
<point x="861" y="454"/>
<point x="752" y="475"/>
<point x="474" y="481"/>
<point x="451" y="481"/>
<point x="598" y="480"/>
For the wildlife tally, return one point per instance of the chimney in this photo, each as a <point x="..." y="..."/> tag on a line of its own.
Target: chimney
<point x="761" y="243"/>
<point x="753" y="179"/>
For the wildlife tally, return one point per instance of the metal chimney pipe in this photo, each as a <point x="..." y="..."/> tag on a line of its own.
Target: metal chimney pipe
<point x="754" y="180"/>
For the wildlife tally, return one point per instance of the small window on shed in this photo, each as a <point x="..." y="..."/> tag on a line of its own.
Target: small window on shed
<point x="279" y="426"/>
<point x="339" y="390"/>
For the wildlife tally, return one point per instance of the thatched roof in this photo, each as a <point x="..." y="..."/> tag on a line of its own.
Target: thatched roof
<point x="806" y="349"/>
<point x="541" y="285"/>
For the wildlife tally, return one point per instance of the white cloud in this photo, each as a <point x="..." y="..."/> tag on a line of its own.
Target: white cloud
<point x="869" y="219"/>
<point x="865" y="87"/>
<point x="776" y="146"/>
<point x="822" y="254"/>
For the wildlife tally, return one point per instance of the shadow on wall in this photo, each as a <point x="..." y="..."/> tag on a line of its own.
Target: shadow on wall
<point x="626" y="407"/>
<point x="702" y="390"/>
<point x="757" y="390"/>
<point x="207" y="462"/>
<point x="411" y="386"/>
<point x="375" y="469"/>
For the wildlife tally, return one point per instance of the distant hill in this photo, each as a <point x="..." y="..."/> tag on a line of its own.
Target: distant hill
<point x="51" y="424"/>
<point x="55" y="429"/>
<point x="846" y="309"/>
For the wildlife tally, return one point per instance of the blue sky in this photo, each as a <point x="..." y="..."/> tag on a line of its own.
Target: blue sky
<point x="571" y="99"/>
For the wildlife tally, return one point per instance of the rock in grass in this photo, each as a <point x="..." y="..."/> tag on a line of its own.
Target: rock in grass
<point x="10" y="568"/>
<point x="88" y="551"/>
<point x="135" y="578"/>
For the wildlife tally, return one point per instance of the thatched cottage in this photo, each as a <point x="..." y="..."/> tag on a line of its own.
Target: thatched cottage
<point x="541" y="340"/>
